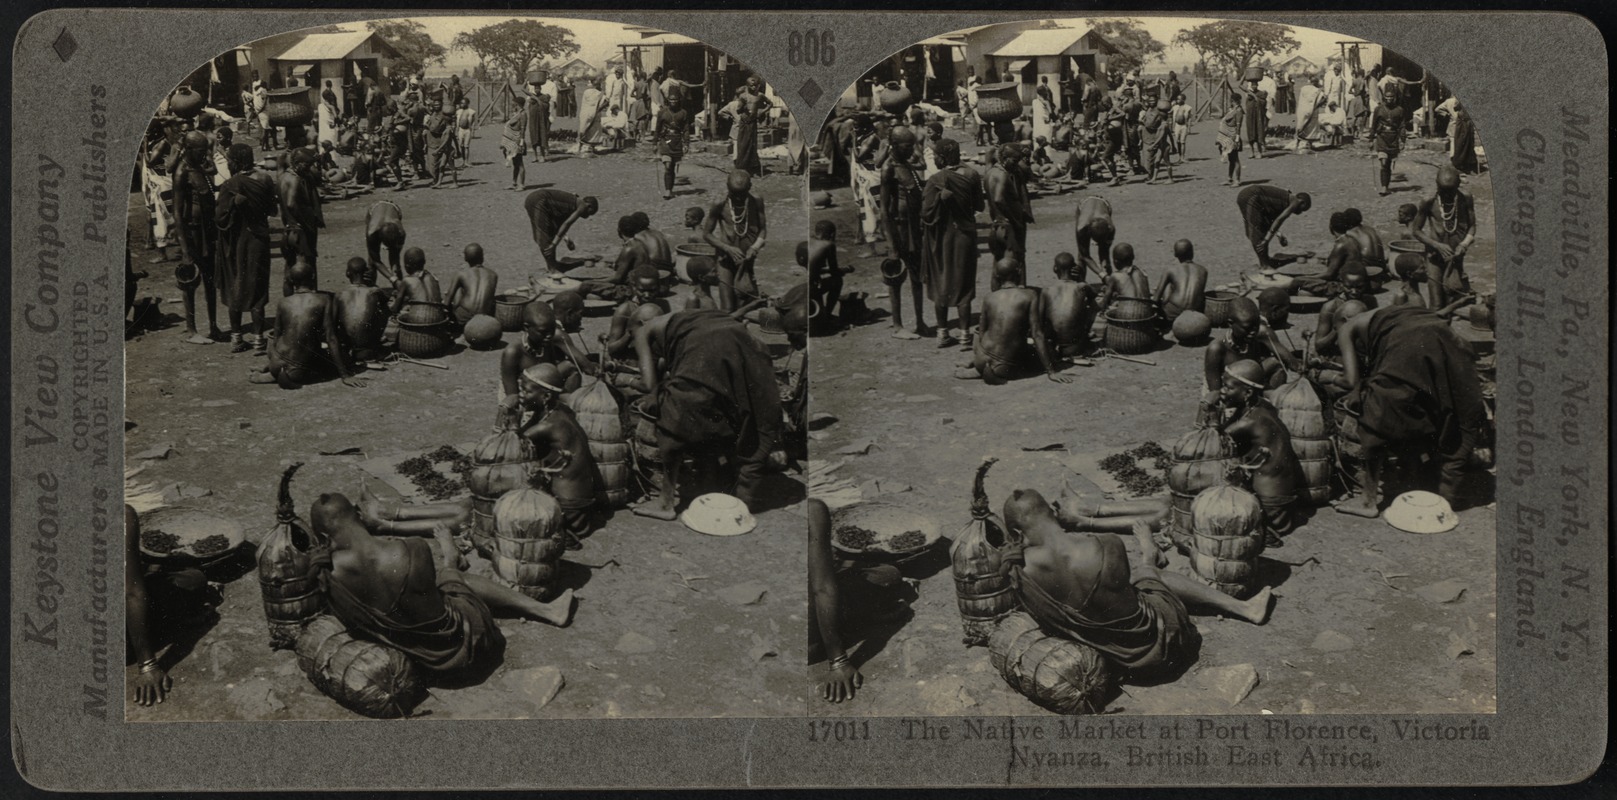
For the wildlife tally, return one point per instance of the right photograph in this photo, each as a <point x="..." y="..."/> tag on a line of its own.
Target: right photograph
<point x="1153" y="374"/>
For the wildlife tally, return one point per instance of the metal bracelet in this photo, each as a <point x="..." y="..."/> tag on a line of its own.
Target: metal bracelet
<point x="148" y="666"/>
<point x="839" y="662"/>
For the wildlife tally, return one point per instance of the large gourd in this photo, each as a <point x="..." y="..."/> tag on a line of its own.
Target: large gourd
<point x="983" y="595"/>
<point x="1200" y="460"/>
<point x="1226" y="538"/>
<point x="363" y="676"/>
<point x="1058" y="674"/>
<point x="288" y="578"/>
<point x="501" y="462"/>
<point x="600" y="413"/>
<point x="1302" y="411"/>
<point x="527" y="543"/>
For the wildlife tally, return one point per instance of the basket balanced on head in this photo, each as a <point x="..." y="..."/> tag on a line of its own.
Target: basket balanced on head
<point x="1058" y="674"/>
<point x="1302" y="411"/>
<point x="1226" y="538"/>
<point x="982" y="593"/>
<point x="364" y="676"/>
<point x="501" y="462"/>
<point x="1200" y="460"/>
<point x="288" y="577"/>
<point x="600" y="413"/>
<point x="527" y="542"/>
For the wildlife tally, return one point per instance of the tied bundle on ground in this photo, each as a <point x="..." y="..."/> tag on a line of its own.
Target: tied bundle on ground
<point x="288" y="577"/>
<point x="1058" y="674"/>
<point x="363" y="676"/>
<point x="599" y="409"/>
<point x="1226" y="538"/>
<point x="527" y="542"/>
<point x="1200" y="460"/>
<point x="503" y="461"/>
<point x="1302" y="410"/>
<point x="983" y="595"/>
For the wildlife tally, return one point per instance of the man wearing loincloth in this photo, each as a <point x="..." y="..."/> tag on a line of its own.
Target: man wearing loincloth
<point x="536" y="345"/>
<point x="567" y="467"/>
<point x="1265" y="209"/>
<point x="825" y="274"/>
<point x="1387" y="124"/>
<point x="1446" y="222"/>
<point x="950" y="201"/>
<point x="1184" y="285"/>
<point x="1092" y="222"/>
<point x="712" y="389"/>
<point x="736" y="227"/>
<point x="1262" y="448"/>
<point x="474" y="288"/>
<point x="1419" y="389"/>
<point x="304" y="320"/>
<point x="551" y="214"/>
<point x="1011" y="316"/>
<point x="1069" y="308"/>
<point x="1080" y="587"/>
<point x="902" y="193"/>
<point x="395" y="592"/>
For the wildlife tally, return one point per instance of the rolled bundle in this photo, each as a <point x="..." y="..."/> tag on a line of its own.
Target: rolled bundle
<point x="1200" y="460"/>
<point x="600" y="413"/>
<point x="1302" y="410"/>
<point x="983" y="595"/>
<point x="1226" y="538"/>
<point x="363" y="676"/>
<point x="288" y="577"/>
<point x="501" y="462"/>
<point x="527" y="544"/>
<point x="1058" y="674"/>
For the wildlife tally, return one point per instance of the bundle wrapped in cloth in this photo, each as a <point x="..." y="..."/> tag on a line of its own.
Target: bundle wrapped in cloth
<point x="1058" y="674"/>
<point x="363" y="676"/>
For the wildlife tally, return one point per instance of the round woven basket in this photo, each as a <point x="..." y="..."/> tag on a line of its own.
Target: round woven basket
<point x="418" y="340"/>
<point x="1131" y="337"/>
<point x="1220" y="306"/>
<point x="421" y="312"/>
<point x="893" y="529"/>
<point x="999" y="102"/>
<point x="508" y="310"/>
<point x="290" y="107"/>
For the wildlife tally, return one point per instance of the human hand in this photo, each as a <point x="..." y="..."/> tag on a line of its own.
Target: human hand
<point x="841" y="681"/>
<point x="1059" y="378"/>
<point x="569" y="242"/>
<point x="152" y="685"/>
<point x="357" y="383"/>
<point x="1443" y="250"/>
<point x="1283" y="241"/>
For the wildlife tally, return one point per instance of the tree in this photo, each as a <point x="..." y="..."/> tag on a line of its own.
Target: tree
<point x="515" y="44"/>
<point x="1135" y="45"/>
<point x="1231" y="45"/>
<point x="416" y="47"/>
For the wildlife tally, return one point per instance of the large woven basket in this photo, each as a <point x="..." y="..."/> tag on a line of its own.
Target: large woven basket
<point x="418" y="340"/>
<point x="364" y="676"/>
<point x="508" y="310"/>
<point x="1058" y="674"/>
<point x="290" y="107"/>
<point x="1226" y="538"/>
<point x="1131" y="336"/>
<point x="999" y="102"/>
<point x="1220" y="306"/>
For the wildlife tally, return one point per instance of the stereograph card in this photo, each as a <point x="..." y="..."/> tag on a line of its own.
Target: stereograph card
<point x="685" y="399"/>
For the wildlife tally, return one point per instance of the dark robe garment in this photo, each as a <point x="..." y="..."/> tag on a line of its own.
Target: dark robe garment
<point x="245" y="204"/>
<point x="1464" y="135"/>
<point x="950" y="235"/>
<point x="719" y="386"/>
<point x="1421" y="383"/>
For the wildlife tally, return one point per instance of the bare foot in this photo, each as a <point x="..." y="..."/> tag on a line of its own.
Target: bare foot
<point x="655" y="509"/>
<point x="1256" y="609"/>
<point x="196" y="338"/>
<point x="261" y="377"/>
<point x="557" y="612"/>
<point x="371" y="507"/>
<point x="967" y="374"/>
<point x="1358" y="506"/>
<point x="900" y="333"/>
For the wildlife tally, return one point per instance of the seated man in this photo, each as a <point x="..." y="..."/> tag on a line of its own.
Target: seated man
<point x="1265" y="209"/>
<point x="1354" y="288"/>
<point x="304" y="320"/>
<point x="632" y="255"/>
<point x="1126" y="281"/>
<point x="1249" y="339"/>
<point x="1010" y="317"/>
<point x="693" y="225"/>
<point x="704" y="275"/>
<point x="1411" y="270"/>
<point x="1263" y="446"/>
<point x="361" y="313"/>
<point x="390" y="591"/>
<point x="474" y="288"/>
<point x="1094" y="224"/>
<point x="1069" y="309"/>
<point x="569" y="310"/>
<point x="1081" y="588"/>
<point x="416" y="284"/>
<point x="1274" y="306"/>
<point x="1183" y="287"/>
<point x="711" y="388"/>
<point x="536" y="345"/>
<point x="562" y="449"/>
<point x="1419" y="388"/>
<point x="646" y="291"/>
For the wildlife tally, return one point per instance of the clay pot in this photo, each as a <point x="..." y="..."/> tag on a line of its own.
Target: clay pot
<point x="895" y="98"/>
<point x="185" y="103"/>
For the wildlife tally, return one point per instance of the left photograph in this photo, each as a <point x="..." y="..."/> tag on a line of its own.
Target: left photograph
<point x="465" y="368"/>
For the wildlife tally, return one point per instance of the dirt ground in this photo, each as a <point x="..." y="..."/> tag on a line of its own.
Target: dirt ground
<point x="669" y="623"/>
<point x="1367" y="618"/>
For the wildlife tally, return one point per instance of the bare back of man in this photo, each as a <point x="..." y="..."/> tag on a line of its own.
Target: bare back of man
<point x="1094" y="224"/>
<point x="304" y="321"/>
<point x="361" y="319"/>
<point x="658" y="251"/>
<point x="1010" y="317"/>
<point x="1069" y="313"/>
<point x="1183" y="288"/>
<point x="473" y="293"/>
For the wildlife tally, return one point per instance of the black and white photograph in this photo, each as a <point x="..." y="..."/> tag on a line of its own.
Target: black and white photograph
<point x="1153" y="374"/>
<point x="465" y="365"/>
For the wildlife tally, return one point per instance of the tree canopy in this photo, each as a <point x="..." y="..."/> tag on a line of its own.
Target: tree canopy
<point x="1136" y="46"/>
<point x="515" y="44"/>
<point x="416" y="47"/>
<point x="1231" y="46"/>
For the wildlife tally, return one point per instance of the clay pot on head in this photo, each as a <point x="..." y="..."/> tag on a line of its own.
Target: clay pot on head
<point x="895" y="98"/>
